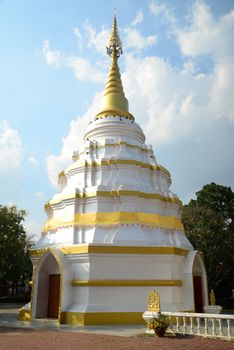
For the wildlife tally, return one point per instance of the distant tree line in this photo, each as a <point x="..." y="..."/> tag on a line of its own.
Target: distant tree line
<point x="209" y="225"/>
<point x="15" y="264"/>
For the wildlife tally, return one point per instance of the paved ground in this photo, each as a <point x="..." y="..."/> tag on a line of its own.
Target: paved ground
<point x="28" y="339"/>
<point x="38" y="335"/>
<point x="8" y="319"/>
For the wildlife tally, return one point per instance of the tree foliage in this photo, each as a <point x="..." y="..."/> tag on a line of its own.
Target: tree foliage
<point x="209" y="225"/>
<point x="15" y="265"/>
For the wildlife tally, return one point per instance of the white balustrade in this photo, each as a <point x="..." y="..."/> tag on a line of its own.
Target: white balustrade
<point x="205" y="325"/>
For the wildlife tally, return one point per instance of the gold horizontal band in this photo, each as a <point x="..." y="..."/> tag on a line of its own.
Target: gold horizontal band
<point x="109" y="249"/>
<point x="126" y="283"/>
<point x="115" y="193"/>
<point x="97" y="146"/>
<point x="121" y="143"/>
<point x="95" y="318"/>
<point x="114" y="113"/>
<point x="101" y="318"/>
<point x="116" y="218"/>
<point x="107" y="162"/>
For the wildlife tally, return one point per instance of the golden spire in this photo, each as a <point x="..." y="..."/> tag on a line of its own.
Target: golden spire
<point x="114" y="43"/>
<point x="114" y="101"/>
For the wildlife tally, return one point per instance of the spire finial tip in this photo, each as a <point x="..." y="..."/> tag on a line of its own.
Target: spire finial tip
<point x="114" y="44"/>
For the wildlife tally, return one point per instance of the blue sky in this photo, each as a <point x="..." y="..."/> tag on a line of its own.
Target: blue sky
<point x="178" y="75"/>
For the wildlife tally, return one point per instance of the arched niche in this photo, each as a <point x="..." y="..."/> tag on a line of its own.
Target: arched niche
<point x="199" y="283"/>
<point x="194" y="281"/>
<point x="47" y="288"/>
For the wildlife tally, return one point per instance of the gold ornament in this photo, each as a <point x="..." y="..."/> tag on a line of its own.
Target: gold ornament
<point x="154" y="301"/>
<point x="212" y="298"/>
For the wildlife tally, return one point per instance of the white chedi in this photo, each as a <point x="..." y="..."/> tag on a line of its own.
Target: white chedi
<point x="113" y="231"/>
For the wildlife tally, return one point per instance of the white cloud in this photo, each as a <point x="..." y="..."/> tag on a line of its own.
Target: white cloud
<point x="77" y="33"/>
<point x="33" y="229"/>
<point x="189" y="67"/>
<point x="207" y="35"/>
<point x="163" y="11"/>
<point x="134" y="39"/>
<point x="83" y="70"/>
<point x="32" y="161"/>
<point x="95" y="39"/>
<point x="11" y="148"/>
<point x="72" y="142"/>
<point x="175" y="104"/>
<point x="52" y="58"/>
<point x="40" y="195"/>
<point x="221" y="91"/>
<point x="138" y="19"/>
<point x="79" y="36"/>
<point x="156" y="7"/>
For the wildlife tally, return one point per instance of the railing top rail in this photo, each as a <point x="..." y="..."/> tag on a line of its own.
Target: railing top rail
<point x="201" y="315"/>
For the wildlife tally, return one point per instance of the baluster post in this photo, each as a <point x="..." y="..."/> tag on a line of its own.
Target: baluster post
<point x="220" y="327"/>
<point x="229" y="328"/>
<point x="184" y="325"/>
<point x="191" y="325"/>
<point x="198" y="325"/>
<point x="177" y="325"/>
<point x="213" y="327"/>
<point x="206" y="326"/>
<point x="170" y="323"/>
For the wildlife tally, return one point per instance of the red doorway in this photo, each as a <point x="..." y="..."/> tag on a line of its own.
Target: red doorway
<point x="198" y="293"/>
<point x="53" y="299"/>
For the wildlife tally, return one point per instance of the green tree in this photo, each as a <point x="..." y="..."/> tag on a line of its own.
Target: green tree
<point x="209" y="225"/>
<point x="15" y="264"/>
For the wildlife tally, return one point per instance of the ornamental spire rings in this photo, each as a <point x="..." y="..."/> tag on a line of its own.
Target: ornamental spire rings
<point x="114" y="43"/>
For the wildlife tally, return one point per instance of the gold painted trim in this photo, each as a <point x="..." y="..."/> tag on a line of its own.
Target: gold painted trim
<point x="98" y="318"/>
<point x="61" y="174"/>
<point x="121" y="143"/>
<point x="125" y="283"/>
<point x="105" y="249"/>
<point x="97" y="146"/>
<point x="114" y="113"/>
<point x="116" y="218"/>
<point x="115" y="193"/>
<point x="106" y="162"/>
<point x="38" y="253"/>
